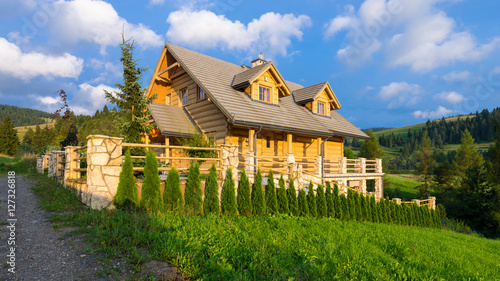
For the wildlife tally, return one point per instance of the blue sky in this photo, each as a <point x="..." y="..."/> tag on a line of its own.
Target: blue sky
<point x="390" y="63"/>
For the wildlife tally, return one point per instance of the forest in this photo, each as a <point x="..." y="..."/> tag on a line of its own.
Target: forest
<point x="23" y="116"/>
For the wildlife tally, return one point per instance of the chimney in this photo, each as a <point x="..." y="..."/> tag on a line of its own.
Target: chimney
<point x="259" y="61"/>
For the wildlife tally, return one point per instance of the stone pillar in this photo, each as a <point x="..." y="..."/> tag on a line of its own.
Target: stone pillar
<point x="397" y="200"/>
<point x="416" y="201"/>
<point x="45" y="162"/>
<point x="299" y="180"/>
<point x="249" y="166"/>
<point x="319" y="166"/>
<point x="379" y="188"/>
<point x="59" y="165"/>
<point x="343" y="165"/>
<point x="231" y="160"/>
<point x="378" y="166"/>
<point x="71" y="164"/>
<point x="362" y="165"/>
<point x="432" y="202"/>
<point x="291" y="166"/>
<point x="51" y="165"/>
<point x="362" y="185"/>
<point x="39" y="164"/>
<point x="103" y="170"/>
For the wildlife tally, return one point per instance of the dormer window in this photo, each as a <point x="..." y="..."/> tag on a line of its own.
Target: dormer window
<point x="264" y="94"/>
<point x="201" y="94"/>
<point x="184" y="96"/>
<point x="321" y="108"/>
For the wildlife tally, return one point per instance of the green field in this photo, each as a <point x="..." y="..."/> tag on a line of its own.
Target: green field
<point x="405" y="183"/>
<point x="279" y="247"/>
<point x="6" y="159"/>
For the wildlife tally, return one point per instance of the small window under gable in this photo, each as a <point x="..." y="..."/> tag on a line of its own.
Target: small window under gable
<point x="184" y="96"/>
<point x="201" y="94"/>
<point x="321" y="108"/>
<point x="264" y="94"/>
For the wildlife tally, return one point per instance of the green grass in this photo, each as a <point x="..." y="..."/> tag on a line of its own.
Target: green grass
<point x="6" y="160"/>
<point x="20" y="165"/>
<point x="279" y="248"/>
<point x="406" y="185"/>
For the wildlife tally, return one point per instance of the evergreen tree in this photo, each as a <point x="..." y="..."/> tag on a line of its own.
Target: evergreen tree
<point x="293" y="204"/>
<point x="336" y="202"/>
<point x="303" y="204"/>
<point x="467" y="155"/>
<point x="271" y="200"/>
<point x="372" y="209"/>
<point x="311" y="201"/>
<point x="172" y="196"/>
<point x="330" y="206"/>
<point x="151" y="193"/>
<point x="370" y="148"/>
<point x="193" y="194"/>
<point x="211" y="203"/>
<point x="71" y="138"/>
<point x="29" y="136"/>
<point x="351" y="205"/>
<point x="8" y="137"/>
<point x="244" y="195"/>
<point x="228" y="196"/>
<point x="258" y="200"/>
<point x="282" y="197"/>
<point x="126" y="196"/>
<point x="359" y="206"/>
<point x="425" y="165"/>
<point x="344" y="208"/>
<point x="321" y="201"/>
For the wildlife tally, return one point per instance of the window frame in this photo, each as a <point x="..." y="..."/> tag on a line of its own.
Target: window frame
<point x="262" y="94"/>
<point x="323" y="105"/>
<point x="183" y="98"/>
<point x="200" y="91"/>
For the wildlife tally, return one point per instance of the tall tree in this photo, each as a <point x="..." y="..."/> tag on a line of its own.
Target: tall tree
<point x="370" y="148"/>
<point x="8" y="137"/>
<point x="71" y="137"/>
<point x="467" y="156"/>
<point x="29" y="136"/>
<point x="131" y="99"/>
<point x="425" y="165"/>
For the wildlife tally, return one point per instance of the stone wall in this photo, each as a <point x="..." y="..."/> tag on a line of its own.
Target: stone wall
<point x="231" y="160"/>
<point x="39" y="164"/>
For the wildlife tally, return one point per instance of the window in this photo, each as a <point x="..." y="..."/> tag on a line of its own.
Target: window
<point x="201" y="94"/>
<point x="184" y="96"/>
<point x="268" y="142"/>
<point x="264" y="94"/>
<point x="167" y="100"/>
<point x="321" y="108"/>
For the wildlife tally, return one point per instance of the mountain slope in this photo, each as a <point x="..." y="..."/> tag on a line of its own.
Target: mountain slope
<point x="23" y="116"/>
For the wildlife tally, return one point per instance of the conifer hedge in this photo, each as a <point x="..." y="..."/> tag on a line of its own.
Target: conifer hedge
<point x="271" y="200"/>
<point x="193" y="194"/>
<point x="258" y="200"/>
<point x="228" y="196"/>
<point x="243" y="198"/>
<point x="172" y="195"/>
<point x="293" y="204"/>
<point x="321" y="201"/>
<point x="330" y="207"/>
<point x="151" y="192"/>
<point x="311" y="201"/>
<point x="126" y="196"/>
<point x="303" y="204"/>
<point x="282" y="197"/>
<point x="211" y="203"/>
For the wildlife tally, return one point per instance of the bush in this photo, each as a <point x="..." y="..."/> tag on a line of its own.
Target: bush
<point x="258" y="201"/>
<point x="244" y="195"/>
<point x="330" y="207"/>
<point x="211" y="203"/>
<point x="193" y="195"/>
<point x="311" y="201"/>
<point x="271" y="201"/>
<point x="126" y="196"/>
<point x="293" y="204"/>
<point x="344" y="209"/>
<point x="336" y="202"/>
<point x="321" y="201"/>
<point x="282" y="197"/>
<point x="151" y="192"/>
<point x="303" y="206"/>
<point x="228" y="196"/>
<point x="172" y="196"/>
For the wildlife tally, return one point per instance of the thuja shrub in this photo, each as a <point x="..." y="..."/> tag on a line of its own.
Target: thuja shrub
<point x="126" y="196"/>
<point x="282" y="197"/>
<point x="303" y="204"/>
<point x="211" y="203"/>
<point x="193" y="194"/>
<point x="293" y="204"/>
<point x="271" y="201"/>
<point x="258" y="200"/>
<point x="243" y="198"/>
<point x="228" y="196"/>
<point x="311" y="201"/>
<point x="336" y="202"/>
<point x="172" y="196"/>
<point x="321" y="201"/>
<point x="330" y="208"/>
<point x="151" y="192"/>
<point x="350" y="205"/>
<point x="344" y="209"/>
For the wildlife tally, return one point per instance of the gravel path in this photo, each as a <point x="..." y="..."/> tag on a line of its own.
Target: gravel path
<point x="42" y="252"/>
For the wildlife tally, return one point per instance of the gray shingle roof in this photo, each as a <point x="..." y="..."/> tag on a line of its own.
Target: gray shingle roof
<point x="172" y="120"/>
<point x="243" y="79"/>
<point x="307" y="94"/>
<point x="216" y="78"/>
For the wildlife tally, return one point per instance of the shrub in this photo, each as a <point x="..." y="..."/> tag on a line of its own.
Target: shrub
<point x="271" y="201"/>
<point x="193" y="195"/>
<point x="211" y="203"/>
<point x="303" y="206"/>
<point x="172" y="196"/>
<point x="311" y="201"/>
<point x="293" y="204"/>
<point x="126" y="196"/>
<point x="244" y="195"/>
<point x="151" y="192"/>
<point x="321" y="201"/>
<point x="228" y="196"/>
<point x="258" y="201"/>
<point x="336" y="202"/>
<point x="344" y="209"/>
<point x="350" y="205"/>
<point x="330" y="207"/>
<point x="282" y="197"/>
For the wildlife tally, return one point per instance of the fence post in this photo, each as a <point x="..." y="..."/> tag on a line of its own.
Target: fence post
<point x="249" y="161"/>
<point x="231" y="160"/>
<point x="51" y="172"/>
<point x="319" y="166"/>
<point x="290" y="164"/>
<point x="71" y="164"/>
<point x="379" y="188"/>
<point x="104" y="159"/>
<point x="343" y="165"/>
<point x="39" y="164"/>
<point x="378" y="166"/>
<point x="397" y="200"/>
<point x="59" y="166"/>
<point x="432" y="202"/>
<point x="416" y="201"/>
<point x="45" y="163"/>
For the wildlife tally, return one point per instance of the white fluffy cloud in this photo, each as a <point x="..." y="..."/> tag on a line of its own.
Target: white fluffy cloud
<point x="29" y="65"/>
<point x="438" y="113"/>
<point x="457" y="76"/>
<point x="450" y="97"/>
<point x="271" y="33"/>
<point x="400" y="93"/>
<point x="97" y="22"/>
<point x="416" y="34"/>
<point x="89" y="98"/>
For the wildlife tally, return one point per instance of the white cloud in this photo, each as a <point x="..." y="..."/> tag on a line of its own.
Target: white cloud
<point x="416" y="34"/>
<point x="271" y="33"/>
<point x="400" y="93"/>
<point x="457" y="76"/>
<point x="29" y="65"/>
<point x="450" y="97"/>
<point x="97" y="22"/>
<point x="438" y="113"/>
<point x="156" y="2"/>
<point x="88" y="98"/>
<point x="47" y="100"/>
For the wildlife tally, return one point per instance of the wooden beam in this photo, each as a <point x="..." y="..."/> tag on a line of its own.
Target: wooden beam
<point x="167" y="150"/>
<point x="251" y="134"/>
<point x="177" y="74"/>
<point x="164" y="80"/>
<point x="289" y="141"/>
<point x="319" y="146"/>
<point x="168" y="68"/>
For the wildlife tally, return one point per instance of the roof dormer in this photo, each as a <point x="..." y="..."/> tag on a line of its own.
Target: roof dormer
<point x="319" y="98"/>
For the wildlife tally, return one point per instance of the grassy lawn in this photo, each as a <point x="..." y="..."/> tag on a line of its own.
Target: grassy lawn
<point x="406" y="184"/>
<point x="21" y="130"/>
<point x="4" y="159"/>
<point x="280" y="247"/>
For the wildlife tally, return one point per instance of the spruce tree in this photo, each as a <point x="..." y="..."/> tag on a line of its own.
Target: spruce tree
<point x="8" y="137"/>
<point x="271" y="200"/>
<point x="311" y="201"/>
<point x="228" y="196"/>
<point x="330" y="207"/>
<point x="258" y="200"/>
<point x="282" y="197"/>
<point x="71" y="138"/>
<point x="321" y="201"/>
<point x="193" y="193"/>
<point x="211" y="204"/>
<point x="303" y="204"/>
<point x="293" y="204"/>
<point x="244" y="195"/>
<point x="172" y="196"/>
<point x="126" y="196"/>
<point x="151" y="192"/>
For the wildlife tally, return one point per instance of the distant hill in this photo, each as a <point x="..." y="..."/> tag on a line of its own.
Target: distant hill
<point x="23" y="116"/>
<point x="375" y="129"/>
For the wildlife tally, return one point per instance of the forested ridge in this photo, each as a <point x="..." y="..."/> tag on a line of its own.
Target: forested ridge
<point x="23" y="116"/>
